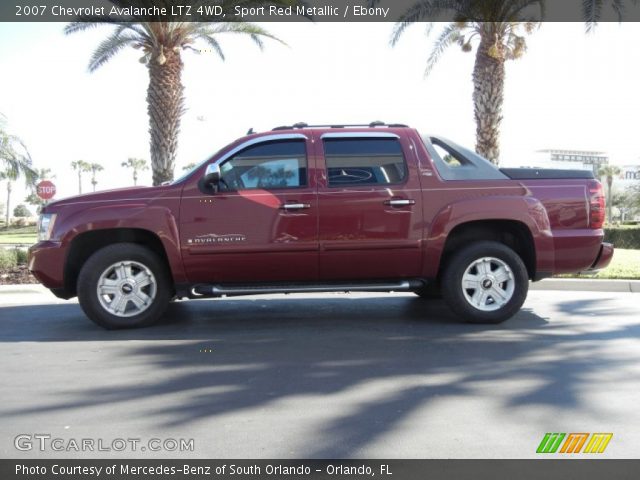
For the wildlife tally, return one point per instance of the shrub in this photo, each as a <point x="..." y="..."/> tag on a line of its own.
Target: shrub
<point x="21" y="210"/>
<point x="21" y="256"/>
<point x="8" y="258"/>
<point x="623" y="237"/>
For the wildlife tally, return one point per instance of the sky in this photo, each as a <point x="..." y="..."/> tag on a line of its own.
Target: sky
<point x="571" y="90"/>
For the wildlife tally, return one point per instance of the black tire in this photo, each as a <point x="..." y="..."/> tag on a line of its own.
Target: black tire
<point x="478" y="257"/>
<point x="132" y="258"/>
<point x="431" y="291"/>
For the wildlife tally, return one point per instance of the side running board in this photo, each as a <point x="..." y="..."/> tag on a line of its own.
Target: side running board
<point x="203" y="290"/>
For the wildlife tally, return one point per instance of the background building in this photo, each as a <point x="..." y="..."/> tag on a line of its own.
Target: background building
<point x="571" y="159"/>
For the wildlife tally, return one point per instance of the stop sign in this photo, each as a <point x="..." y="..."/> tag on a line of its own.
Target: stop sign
<point x="46" y="190"/>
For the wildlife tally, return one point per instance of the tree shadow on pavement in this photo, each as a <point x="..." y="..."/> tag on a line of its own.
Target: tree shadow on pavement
<point x="265" y="351"/>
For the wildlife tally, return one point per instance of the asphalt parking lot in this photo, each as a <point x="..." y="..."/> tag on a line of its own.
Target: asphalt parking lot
<point x="322" y="376"/>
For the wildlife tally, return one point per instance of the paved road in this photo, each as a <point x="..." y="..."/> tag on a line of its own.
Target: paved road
<point x="324" y="376"/>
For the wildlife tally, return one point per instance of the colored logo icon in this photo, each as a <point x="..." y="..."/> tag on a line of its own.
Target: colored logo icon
<point x="574" y="442"/>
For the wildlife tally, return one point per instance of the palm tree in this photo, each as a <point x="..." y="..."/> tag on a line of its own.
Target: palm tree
<point x="608" y="172"/>
<point x="95" y="168"/>
<point x="15" y="162"/>
<point x="81" y="166"/>
<point x="498" y="37"/>
<point x="10" y="176"/>
<point x="14" y="155"/>
<point x="498" y="31"/>
<point x="137" y="165"/>
<point x="162" y="44"/>
<point x="44" y="174"/>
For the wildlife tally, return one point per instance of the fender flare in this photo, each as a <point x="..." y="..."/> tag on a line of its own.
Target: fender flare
<point x="156" y="220"/>
<point x="526" y="210"/>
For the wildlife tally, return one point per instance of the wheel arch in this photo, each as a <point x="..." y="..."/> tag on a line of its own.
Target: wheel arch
<point x="86" y="243"/>
<point x="512" y="233"/>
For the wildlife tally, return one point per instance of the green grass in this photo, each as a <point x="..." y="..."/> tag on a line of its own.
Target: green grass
<point x="25" y="235"/>
<point x="625" y="264"/>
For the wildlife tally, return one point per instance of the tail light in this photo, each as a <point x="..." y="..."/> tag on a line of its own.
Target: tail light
<point x="596" y="205"/>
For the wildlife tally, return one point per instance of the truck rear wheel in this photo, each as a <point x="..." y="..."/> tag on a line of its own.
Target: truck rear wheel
<point x="124" y="285"/>
<point x="486" y="282"/>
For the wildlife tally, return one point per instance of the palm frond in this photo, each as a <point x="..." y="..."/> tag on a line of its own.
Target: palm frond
<point x="591" y="10"/>
<point x="16" y="159"/>
<point x="523" y="11"/>
<point x="254" y="31"/>
<point x="73" y="27"/>
<point x="449" y="35"/>
<point x="109" y="47"/>
<point x="213" y="43"/>
<point x="422" y="11"/>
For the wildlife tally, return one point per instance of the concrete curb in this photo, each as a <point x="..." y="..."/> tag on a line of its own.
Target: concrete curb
<point x="558" y="284"/>
<point x="23" y="288"/>
<point x="587" y="285"/>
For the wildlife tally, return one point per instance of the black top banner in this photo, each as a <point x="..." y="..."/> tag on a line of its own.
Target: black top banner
<point x="588" y="11"/>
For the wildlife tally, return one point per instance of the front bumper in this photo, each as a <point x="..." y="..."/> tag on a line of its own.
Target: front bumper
<point x="46" y="263"/>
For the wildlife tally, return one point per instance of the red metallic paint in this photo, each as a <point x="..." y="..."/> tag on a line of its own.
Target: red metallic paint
<point x="360" y="237"/>
<point x="278" y="245"/>
<point x="346" y="233"/>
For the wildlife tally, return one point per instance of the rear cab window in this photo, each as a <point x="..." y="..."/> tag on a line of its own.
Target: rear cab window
<point x="454" y="162"/>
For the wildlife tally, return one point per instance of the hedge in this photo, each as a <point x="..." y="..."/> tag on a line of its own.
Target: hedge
<point x="10" y="257"/>
<point x="7" y="258"/>
<point x="623" y="237"/>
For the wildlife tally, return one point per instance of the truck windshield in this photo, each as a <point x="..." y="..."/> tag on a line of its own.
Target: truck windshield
<point x="188" y="173"/>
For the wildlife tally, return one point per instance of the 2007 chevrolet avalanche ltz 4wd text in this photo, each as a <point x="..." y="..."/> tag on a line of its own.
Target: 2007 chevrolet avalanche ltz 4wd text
<point x="375" y="208"/>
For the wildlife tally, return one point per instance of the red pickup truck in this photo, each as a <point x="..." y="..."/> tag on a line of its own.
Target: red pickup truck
<point x="375" y="208"/>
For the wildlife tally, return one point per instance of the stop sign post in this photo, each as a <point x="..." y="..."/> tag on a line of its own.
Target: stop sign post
<point x="46" y="190"/>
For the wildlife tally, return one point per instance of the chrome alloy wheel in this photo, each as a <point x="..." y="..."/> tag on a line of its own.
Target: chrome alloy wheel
<point x="126" y="289"/>
<point x="488" y="284"/>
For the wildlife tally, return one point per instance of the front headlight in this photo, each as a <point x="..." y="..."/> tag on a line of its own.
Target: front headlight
<point x="45" y="226"/>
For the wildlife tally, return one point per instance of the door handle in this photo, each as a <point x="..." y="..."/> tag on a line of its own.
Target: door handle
<point x="295" y="206"/>
<point x="399" y="202"/>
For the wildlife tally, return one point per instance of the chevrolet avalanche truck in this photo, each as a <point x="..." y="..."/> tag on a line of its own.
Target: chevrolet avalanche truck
<point x="375" y="208"/>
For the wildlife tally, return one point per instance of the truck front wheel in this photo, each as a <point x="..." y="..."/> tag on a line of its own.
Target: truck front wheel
<point x="486" y="282"/>
<point x="124" y="285"/>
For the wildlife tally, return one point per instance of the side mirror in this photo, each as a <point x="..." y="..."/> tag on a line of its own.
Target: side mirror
<point x="212" y="175"/>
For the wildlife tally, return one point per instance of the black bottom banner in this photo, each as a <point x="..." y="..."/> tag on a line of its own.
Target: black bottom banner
<point x="320" y="469"/>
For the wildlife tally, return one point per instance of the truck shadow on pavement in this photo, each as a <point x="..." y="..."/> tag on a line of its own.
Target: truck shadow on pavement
<point x="365" y="364"/>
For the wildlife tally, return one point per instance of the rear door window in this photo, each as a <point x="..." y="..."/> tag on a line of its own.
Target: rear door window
<point x="364" y="161"/>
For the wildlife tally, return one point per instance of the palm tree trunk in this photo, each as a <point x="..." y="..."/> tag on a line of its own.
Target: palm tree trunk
<point x="8" y="202"/>
<point x="609" y="197"/>
<point x="79" y="182"/>
<point x="488" y="96"/>
<point x="165" y="104"/>
<point x="135" y="177"/>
